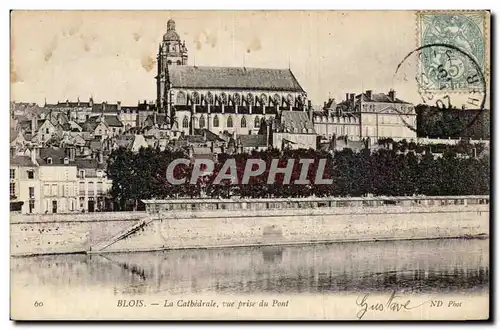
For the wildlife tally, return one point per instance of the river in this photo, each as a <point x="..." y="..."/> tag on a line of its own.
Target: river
<point x="426" y="266"/>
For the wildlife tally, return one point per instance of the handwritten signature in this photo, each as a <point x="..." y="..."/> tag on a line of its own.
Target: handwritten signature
<point x="395" y="303"/>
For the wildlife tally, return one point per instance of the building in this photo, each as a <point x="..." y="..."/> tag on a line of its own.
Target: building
<point x="93" y="184"/>
<point x="294" y="130"/>
<point x="44" y="181"/>
<point x="25" y="184"/>
<point x="231" y="99"/>
<point x="58" y="182"/>
<point x="367" y="115"/>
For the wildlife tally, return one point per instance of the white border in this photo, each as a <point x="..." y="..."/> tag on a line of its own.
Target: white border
<point x="189" y="4"/>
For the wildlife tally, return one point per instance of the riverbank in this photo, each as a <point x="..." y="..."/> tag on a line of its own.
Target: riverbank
<point x="184" y="229"/>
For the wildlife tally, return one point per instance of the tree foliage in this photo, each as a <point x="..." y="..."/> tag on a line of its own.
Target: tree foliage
<point x="394" y="171"/>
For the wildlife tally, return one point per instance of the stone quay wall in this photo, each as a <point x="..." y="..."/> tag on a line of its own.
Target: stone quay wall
<point x="102" y="233"/>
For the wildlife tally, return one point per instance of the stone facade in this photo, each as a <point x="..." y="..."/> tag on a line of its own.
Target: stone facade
<point x="220" y="98"/>
<point x="368" y="115"/>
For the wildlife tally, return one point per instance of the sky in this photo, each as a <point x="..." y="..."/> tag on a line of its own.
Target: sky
<point x="110" y="55"/>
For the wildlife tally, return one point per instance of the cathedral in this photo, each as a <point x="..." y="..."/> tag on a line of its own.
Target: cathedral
<point x="236" y="100"/>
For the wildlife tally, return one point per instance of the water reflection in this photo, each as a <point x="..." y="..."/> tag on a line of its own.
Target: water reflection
<point x="411" y="266"/>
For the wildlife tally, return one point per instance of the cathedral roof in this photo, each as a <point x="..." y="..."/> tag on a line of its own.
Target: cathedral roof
<point x="183" y="76"/>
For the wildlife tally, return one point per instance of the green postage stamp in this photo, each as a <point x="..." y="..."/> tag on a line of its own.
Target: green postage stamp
<point x="461" y="48"/>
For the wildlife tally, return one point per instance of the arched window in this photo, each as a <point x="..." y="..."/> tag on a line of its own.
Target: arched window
<point x="196" y="98"/>
<point x="236" y="99"/>
<point x="250" y="99"/>
<point x="181" y="98"/>
<point x="223" y="98"/>
<point x="276" y="99"/>
<point x="257" y="122"/>
<point x="229" y="121"/>
<point x="169" y="62"/>
<point x="210" y="98"/>
<point x="243" y="122"/>
<point x="178" y="62"/>
<point x="216" y="121"/>
<point x="185" y="122"/>
<point x="202" y="122"/>
<point x="263" y="99"/>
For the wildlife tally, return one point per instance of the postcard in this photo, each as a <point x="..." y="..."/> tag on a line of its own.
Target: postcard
<point x="250" y="165"/>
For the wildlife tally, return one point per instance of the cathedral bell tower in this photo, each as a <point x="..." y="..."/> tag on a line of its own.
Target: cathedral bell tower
<point x="171" y="52"/>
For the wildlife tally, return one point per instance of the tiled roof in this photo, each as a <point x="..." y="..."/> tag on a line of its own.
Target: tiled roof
<point x="296" y="122"/>
<point x="254" y="140"/>
<point x="25" y="124"/>
<point x="113" y="121"/>
<point x="55" y="153"/>
<point x="210" y="135"/>
<point x="88" y="163"/>
<point x="379" y="97"/>
<point x="194" y="139"/>
<point x="91" y="124"/>
<point x="183" y="76"/>
<point x="25" y="107"/>
<point x="68" y="105"/>
<point x="161" y="119"/>
<point x="21" y="161"/>
<point x="109" y="108"/>
<point x="146" y="106"/>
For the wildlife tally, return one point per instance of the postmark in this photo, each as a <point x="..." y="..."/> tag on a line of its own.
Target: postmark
<point x="464" y="31"/>
<point x="452" y="61"/>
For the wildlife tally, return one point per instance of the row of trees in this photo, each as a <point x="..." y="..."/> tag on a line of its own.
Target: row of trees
<point x="385" y="172"/>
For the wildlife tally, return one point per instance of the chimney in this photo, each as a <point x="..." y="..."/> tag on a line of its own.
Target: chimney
<point x="100" y="157"/>
<point x="78" y="101"/>
<point x="70" y="153"/>
<point x="34" y="124"/>
<point x="119" y="105"/>
<point x="347" y="96"/>
<point x="155" y="119"/>
<point x="324" y="105"/>
<point x="91" y="101"/>
<point x="392" y="95"/>
<point x="352" y="100"/>
<point x="369" y="94"/>
<point x="34" y="155"/>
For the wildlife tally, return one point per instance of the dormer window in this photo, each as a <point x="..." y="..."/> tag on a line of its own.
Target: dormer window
<point x="66" y="160"/>
<point x="49" y="160"/>
<point x="82" y="174"/>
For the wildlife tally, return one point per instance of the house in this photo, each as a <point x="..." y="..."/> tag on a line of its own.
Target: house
<point x="93" y="184"/>
<point x="25" y="184"/>
<point x="248" y="143"/>
<point x="293" y="130"/>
